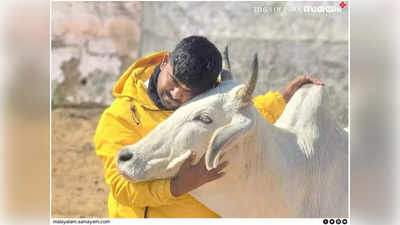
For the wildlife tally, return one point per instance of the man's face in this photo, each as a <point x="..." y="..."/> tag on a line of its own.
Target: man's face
<point x="172" y="93"/>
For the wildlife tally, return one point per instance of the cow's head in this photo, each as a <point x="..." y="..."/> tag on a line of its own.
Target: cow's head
<point x="210" y="122"/>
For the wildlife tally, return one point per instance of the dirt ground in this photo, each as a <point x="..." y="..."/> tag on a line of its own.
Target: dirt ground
<point x="78" y="186"/>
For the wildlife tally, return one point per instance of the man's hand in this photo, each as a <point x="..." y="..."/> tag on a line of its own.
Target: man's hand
<point x="295" y="84"/>
<point x="190" y="176"/>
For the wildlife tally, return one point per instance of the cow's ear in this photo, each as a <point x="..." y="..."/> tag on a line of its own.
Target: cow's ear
<point x="224" y="137"/>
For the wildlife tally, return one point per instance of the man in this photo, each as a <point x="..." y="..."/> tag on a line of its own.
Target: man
<point x="146" y="94"/>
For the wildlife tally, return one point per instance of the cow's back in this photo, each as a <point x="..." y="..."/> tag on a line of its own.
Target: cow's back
<point x="324" y="148"/>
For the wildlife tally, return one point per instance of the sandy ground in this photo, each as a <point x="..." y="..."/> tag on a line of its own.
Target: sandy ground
<point x="78" y="186"/>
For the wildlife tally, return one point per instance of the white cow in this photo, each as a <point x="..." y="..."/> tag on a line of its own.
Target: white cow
<point x="297" y="167"/>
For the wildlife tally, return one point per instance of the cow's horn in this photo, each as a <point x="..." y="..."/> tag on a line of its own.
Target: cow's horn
<point x="226" y="73"/>
<point x="227" y="63"/>
<point x="245" y="94"/>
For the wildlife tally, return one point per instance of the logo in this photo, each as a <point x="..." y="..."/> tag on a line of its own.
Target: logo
<point x="342" y="4"/>
<point x="322" y="9"/>
<point x="333" y="221"/>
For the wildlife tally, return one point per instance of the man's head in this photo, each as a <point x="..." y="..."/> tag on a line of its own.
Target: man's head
<point x="192" y="68"/>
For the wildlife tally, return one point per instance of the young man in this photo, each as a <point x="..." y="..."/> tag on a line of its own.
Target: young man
<point x="146" y="94"/>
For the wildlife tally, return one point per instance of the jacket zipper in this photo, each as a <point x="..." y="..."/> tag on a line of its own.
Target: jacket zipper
<point x="134" y="115"/>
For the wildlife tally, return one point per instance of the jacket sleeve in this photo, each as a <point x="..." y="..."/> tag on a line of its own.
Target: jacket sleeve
<point x="142" y="194"/>
<point x="270" y="105"/>
<point x="111" y="135"/>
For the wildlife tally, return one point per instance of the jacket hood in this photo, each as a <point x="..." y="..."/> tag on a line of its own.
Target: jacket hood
<point x="135" y="76"/>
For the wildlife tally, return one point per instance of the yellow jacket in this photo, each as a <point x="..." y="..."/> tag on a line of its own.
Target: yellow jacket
<point x="130" y="117"/>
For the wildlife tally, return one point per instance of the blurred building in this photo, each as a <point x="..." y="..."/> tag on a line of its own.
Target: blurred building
<point x="94" y="42"/>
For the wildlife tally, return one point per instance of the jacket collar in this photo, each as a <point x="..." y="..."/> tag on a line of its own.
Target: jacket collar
<point x="152" y="88"/>
<point x="131" y="83"/>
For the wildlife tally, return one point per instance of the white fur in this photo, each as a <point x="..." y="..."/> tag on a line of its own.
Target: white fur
<point x="295" y="168"/>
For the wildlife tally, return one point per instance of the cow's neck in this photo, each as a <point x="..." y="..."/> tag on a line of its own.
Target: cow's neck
<point x="271" y="175"/>
<point x="276" y="155"/>
<point x="253" y="174"/>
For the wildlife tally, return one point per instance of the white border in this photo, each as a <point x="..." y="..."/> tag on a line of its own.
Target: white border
<point x="348" y="112"/>
<point x="230" y="221"/>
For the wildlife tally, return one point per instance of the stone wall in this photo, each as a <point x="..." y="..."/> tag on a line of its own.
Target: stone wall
<point x="93" y="43"/>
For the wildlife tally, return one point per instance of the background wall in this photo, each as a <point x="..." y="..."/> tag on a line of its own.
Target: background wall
<point x="94" y="42"/>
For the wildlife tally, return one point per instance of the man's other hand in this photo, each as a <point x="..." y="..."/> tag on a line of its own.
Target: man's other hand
<point x="190" y="177"/>
<point x="295" y="84"/>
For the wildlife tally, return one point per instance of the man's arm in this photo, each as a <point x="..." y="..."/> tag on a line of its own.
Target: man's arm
<point x="111" y="135"/>
<point x="272" y="104"/>
<point x="296" y="83"/>
<point x="150" y="193"/>
<point x="191" y="176"/>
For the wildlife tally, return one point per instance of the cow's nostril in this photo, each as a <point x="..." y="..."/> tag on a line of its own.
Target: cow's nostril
<point x="125" y="155"/>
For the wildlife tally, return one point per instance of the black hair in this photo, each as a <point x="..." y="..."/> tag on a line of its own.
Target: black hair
<point x="196" y="62"/>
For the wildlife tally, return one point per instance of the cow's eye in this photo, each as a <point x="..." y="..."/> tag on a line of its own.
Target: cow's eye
<point x="203" y="118"/>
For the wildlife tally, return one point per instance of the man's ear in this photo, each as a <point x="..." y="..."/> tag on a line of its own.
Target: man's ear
<point x="226" y="136"/>
<point x="165" y="60"/>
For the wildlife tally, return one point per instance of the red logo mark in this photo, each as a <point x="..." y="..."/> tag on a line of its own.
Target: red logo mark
<point x="342" y="4"/>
